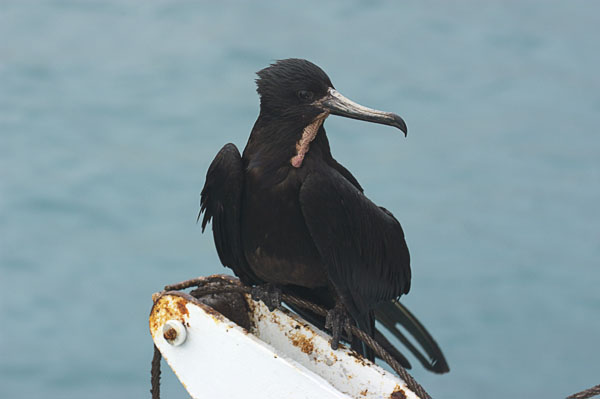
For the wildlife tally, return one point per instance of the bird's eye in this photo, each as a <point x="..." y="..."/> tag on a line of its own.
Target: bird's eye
<point x="305" y="95"/>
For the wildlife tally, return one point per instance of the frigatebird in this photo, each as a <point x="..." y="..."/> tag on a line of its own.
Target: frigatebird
<point x="286" y="216"/>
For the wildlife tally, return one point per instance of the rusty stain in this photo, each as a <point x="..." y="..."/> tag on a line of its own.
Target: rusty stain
<point x="255" y="312"/>
<point x="182" y="308"/>
<point x="250" y="302"/>
<point x="305" y="344"/>
<point x="168" y="307"/>
<point x="170" y="334"/>
<point x="274" y="318"/>
<point x="398" y="393"/>
<point x="357" y="358"/>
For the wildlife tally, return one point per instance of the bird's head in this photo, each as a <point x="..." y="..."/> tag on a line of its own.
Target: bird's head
<point x="300" y="92"/>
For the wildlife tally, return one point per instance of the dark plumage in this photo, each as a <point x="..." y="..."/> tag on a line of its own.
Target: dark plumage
<point x="288" y="214"/>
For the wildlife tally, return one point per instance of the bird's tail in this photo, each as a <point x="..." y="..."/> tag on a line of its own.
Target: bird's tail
<point x="392" y="313"/>
<point x="367" y="324"/>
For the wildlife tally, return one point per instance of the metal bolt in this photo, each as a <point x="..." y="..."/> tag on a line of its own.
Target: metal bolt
<point x="174" y="332"/>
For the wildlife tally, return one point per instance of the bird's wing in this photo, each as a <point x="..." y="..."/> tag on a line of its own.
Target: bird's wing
<point x="361" y="244"/>
<point x="221" y="201"/>
<point x="346" y="173"/>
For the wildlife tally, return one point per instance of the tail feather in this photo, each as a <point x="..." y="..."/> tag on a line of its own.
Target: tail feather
<point x="392" y="313"/>
<point x="367" y="324"/>
<point x="391" y="349"/>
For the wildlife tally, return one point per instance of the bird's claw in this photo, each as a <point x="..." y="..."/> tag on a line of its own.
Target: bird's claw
<point x="269" y="294"/>
<point x="338" y="320"/>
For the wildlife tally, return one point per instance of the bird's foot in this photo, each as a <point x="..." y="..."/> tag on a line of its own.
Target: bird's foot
<point x="338" y="320"/>
<point x="269" y="294"/>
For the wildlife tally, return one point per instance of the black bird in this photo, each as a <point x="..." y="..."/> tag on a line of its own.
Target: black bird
<point x="287" y="215"/>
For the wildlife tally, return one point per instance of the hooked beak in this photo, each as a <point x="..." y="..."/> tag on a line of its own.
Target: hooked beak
<point x="336" y="104"/>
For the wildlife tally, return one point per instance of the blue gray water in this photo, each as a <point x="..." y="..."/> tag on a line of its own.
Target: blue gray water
<point x="111" y="111"/>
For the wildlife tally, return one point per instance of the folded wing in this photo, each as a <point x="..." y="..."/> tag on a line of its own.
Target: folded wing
<point x="361" y="244"/>
<point x="221" y="201"/>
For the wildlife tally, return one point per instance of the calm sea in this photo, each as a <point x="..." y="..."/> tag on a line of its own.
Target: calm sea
<point x="111" y="112"/>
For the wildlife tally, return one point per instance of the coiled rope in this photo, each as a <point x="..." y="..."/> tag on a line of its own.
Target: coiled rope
<point x="230" y="287"/>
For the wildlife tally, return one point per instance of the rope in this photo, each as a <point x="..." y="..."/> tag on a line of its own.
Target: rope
<point x="230" y="287"/>
<point x="588" y="393"/>
<point x="155" y="374"/>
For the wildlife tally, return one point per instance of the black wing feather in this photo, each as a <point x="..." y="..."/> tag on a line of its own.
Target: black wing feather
<point x="221" y="201"/>
<point x="362" y="245"/>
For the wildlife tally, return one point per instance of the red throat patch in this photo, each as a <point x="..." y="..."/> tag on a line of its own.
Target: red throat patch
<point x="308" y="134"/>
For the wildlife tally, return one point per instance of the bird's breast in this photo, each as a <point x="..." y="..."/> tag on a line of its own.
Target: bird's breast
<point x="277" y="244"/>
